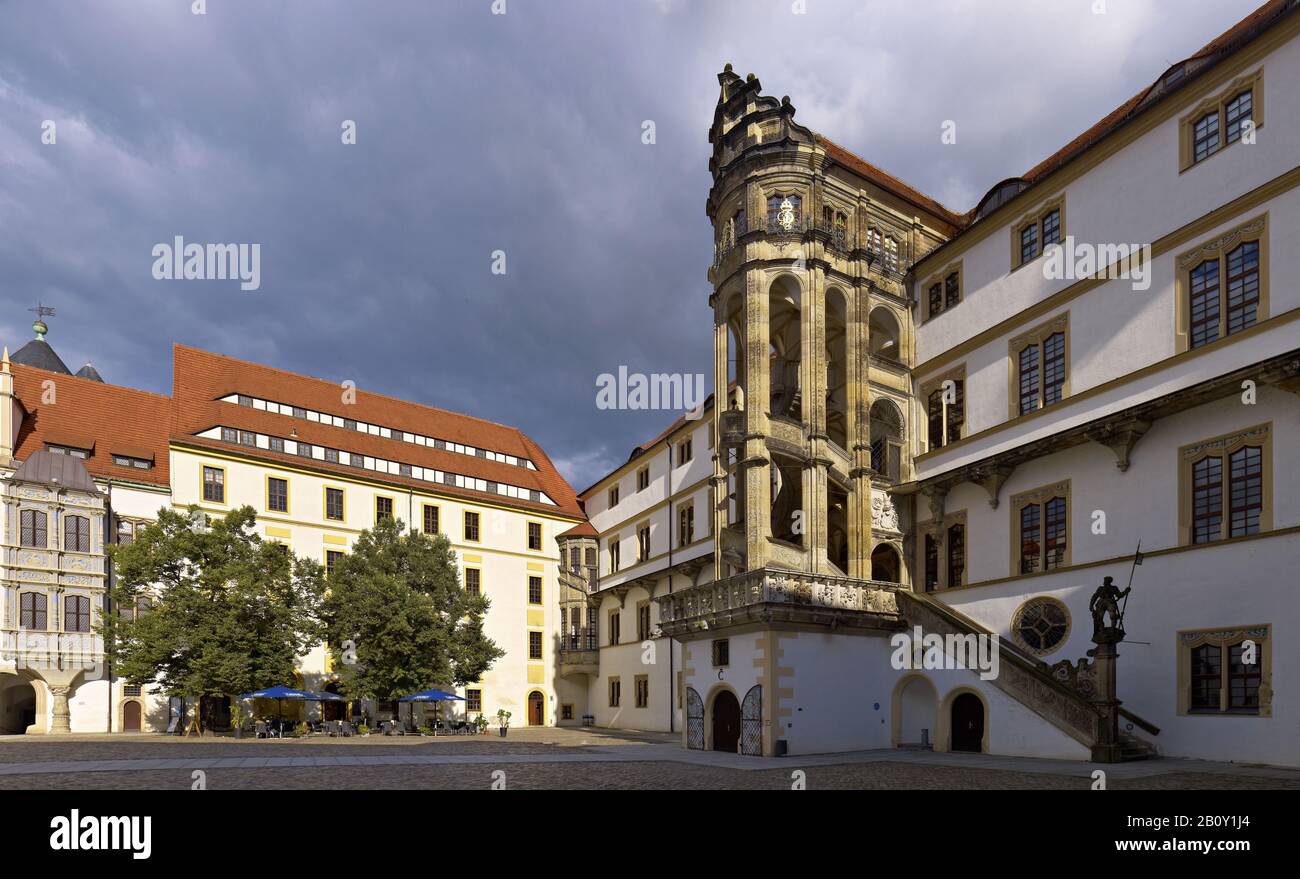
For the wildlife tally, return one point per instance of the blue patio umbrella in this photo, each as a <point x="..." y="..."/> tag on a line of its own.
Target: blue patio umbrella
<point x="434" y="695"/>
<point x="281" y="693"/>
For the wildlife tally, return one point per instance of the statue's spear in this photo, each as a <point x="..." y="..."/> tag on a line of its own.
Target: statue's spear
<point x="1137" y="560"/>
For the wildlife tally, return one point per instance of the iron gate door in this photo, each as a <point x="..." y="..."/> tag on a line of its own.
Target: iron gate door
<point x="694" y="720"/>
<point x="751" y="722"/>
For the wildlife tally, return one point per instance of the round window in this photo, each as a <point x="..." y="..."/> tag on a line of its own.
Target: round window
<point x="1040" y="625"/>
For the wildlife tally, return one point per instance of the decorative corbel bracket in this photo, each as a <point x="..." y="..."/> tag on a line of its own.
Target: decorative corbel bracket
<point x="936" y="494"/>
<point x="1120" y="437"/>
<point x="991" y="478"/>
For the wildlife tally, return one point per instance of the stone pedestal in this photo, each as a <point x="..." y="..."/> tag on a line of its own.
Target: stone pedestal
<point x="1107" y="749"/>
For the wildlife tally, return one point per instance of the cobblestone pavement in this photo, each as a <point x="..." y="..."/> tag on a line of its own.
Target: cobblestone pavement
<point x="558" y="759"/>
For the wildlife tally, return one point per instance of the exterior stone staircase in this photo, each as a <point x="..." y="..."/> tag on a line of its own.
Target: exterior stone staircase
<point x="1063" y="694"/>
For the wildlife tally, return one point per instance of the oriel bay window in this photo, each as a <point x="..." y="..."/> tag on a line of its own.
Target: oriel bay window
<point x="1223" y="285"/>
<point x="1040" y="367"/>
<point x="1041" y="529"/>
<point x="1224" y="486"/>
<point x="1225" y="671"/>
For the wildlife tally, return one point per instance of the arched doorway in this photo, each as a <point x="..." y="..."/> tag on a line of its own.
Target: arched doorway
<point x="131" y="716"/>
<point x="917" y="711"/>
<point x="333" y="710"/>
<point x="967" y="723"/>
<point x="536" y="708"/>
<point x="884" y="564"/>
<point x="726" y="722"/>
<point x="17" y="705"/>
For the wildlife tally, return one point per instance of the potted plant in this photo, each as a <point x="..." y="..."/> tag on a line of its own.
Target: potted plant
<point x="482" y="723"/>
<point x="302" y="729"/>
<point x="363" y="730"/>
<point x="503" y="718"/>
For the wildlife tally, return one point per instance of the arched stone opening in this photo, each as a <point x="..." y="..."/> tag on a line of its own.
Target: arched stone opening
<point x="887" y="439"/>
<point x="884" y="335"/>
<point x="20" y="705"/>
<point x="885" y="563"/>
<point x="837" y="399"/>
<point x="784" y="349"/>
<point x="916" y="712"/>
<point x="788" y="519"/>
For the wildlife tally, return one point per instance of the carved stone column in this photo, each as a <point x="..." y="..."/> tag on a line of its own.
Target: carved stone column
<point x="753" y="473"/>
<point x="62" y="721"/>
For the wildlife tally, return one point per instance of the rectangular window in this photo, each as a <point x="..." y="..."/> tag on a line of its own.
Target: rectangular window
<point x="76" y="613"/>
<point x="643" y="543"/>
<point x="613" y="496"/>
<point x="76" y="534"/>
<point x="1220" y="121"/>
<point x="1222" y="285"/>
<point x="383" y="509"/>
<point x="471" y="526"/>
<point x="945" y="411"/>
<point x="277" y="494"/>
<point x="686" y="525"/>
<point x="1034" y="232"/>
<point x="1028" y="243"/>
<point x="936" y="299"/>
<point x="1224" y="486"/>
<point x="956" y="554"/>
<point x="1225" y="671"/>
<point x="247" y="438"/>
<point x="474" y="700"/>
<point x="615" y="692"/>
<point x="951" y="290"/>
<point x="332" y="456"/>
<point x="613" y="555"/>
<point x="931" y="563"/>
<point x="534" y="645"/>
<point x="535" y="535"/>
<point x="534" y="590"/>
<point x="721" y="653"/>
<point x="566" y="711"/>
<point x="643" y="479"/>
<point x="642" y="683"/>
<point x="615" y="627"/>
<point x="32" y="611"/>
<point x="214" y="485"/>
<point x="334" y="504"/>
<point x="430" y="519"/>
<point x="332" y="558"/>
<point x="684" y="452"/>
<point x="473" y="581"/>
<point x="125" y="531"/>
<point x="643" y="621"/>
<point x="229" y="435"/>
<point x="1041" y="528"/>
<point x="1041" y="367"/>
<point x="276" y="444"/>
<point x="304" y="449"/>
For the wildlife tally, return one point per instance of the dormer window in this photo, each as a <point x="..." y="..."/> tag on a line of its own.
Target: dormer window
<point x="70" y="451"/>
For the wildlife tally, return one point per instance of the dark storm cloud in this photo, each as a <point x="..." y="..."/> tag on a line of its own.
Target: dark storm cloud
<point x="476" y="133"/>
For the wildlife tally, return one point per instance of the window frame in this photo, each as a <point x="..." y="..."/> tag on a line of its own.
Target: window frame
<point x="203" y="484"/>
<point x="1217" y="249"/>
<point x="39" y="610"/>
<point x="1223" y="446"/>
<point x="392" y="506"/>
<point x="1225" y="638"/>
<point x="477" y="528"/>
<point x="478" y="577"/>
<point x="325" y="503"/>
<point x="540" y="590"/>
<point x="1038" y="336"/>
<point x="1040" y="497"/>
<point x="938" y="531"/>
<point x="65" y="522"/>
<point x="1217" y="105"/>
<point x="940" y="279"/>
<point x="79" y="601"/>
<point x="424" y="518"/>
<point x="935" y="385"/>
<point x="267" y="493"/>
<point x="1036" y="218"/>
<point x="528" y="532"/>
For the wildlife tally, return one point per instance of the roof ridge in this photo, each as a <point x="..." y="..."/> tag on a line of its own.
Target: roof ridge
<point x="958" y="215"/>
<point x="378" y="394"/>
<point x="101" y="384"/>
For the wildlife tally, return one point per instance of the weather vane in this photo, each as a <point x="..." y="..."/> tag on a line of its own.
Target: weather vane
<point x="42" y="311"/>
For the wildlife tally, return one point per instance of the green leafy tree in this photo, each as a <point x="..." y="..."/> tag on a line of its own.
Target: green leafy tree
<point x="398" y="617"/>
<point x="226" y="611"/>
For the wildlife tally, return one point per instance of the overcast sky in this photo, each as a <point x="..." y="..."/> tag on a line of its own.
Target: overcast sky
<point x="479" y="132"/>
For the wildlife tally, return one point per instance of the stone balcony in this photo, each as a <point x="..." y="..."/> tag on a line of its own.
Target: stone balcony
<point x="579" y="661"/>
<point x="777" y="596"/>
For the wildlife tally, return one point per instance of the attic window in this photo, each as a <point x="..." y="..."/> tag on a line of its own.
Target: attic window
<point x="70" y="451"/>
<point x="128" y="461"/>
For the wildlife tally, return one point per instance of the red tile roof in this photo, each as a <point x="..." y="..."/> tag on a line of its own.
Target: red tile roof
<point x="112" y="418"/>
<point x="200" y="378"/>
<point x="582" y="529"/>
<point x="890" y="183"/>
